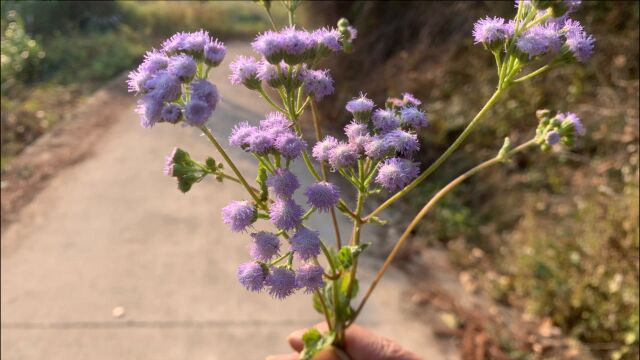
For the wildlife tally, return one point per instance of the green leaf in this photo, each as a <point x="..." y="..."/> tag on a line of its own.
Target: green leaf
<point x="377" y="220"/>
<point x="184" y="186"/>
<point x="348" y="254"/>
<point x="314" y="342"/>
<point x="317" y="305"/>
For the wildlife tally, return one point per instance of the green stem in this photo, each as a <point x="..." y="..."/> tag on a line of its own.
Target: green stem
<point x="323" y="168"/>
<point x="532" y="74"/>
<point x="456" y="144"/>
<point x="416" y="220"/>
<point x="233" y="167"/>
<point x="269" y="100"/>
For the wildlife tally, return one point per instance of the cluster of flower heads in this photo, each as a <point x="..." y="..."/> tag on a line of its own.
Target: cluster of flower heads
<point x="274" y="137"/>
<point x="388" y="137"/>
<point x="557" y="35"/>
<point x="285" y="56"/>
<point x="171" y="80"/>
<point x="563" y="128"/>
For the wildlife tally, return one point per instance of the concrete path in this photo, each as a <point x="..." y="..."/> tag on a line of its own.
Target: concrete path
<point x="112" y="231"/>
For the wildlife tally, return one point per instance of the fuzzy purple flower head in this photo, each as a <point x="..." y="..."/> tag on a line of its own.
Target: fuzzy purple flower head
<point x="574" y="121"/>
<point x="413" y="118"/>
<point x="171" y="113"/>
<point x="244" y="70"/>
<point x="265" y="245"/>
<point x="360" y="107"/>
<point x="269" y="45"/>
<point x="305" y="243"/>
<point x="540" y="39"/>
<point x="309" y="277"/>
<point x="489" y="30"/>
<point x="322" y="195"/>
<point x="241" y="133"/>
<point x="205" y="91"/>
<point x="385" y="120"/>
<point x="377" y="148"/>
<point x="197" y="112"/>
<point x="214" y="52"/>
<point x="290" y="145"/>
<point x="395" y="173"/>
<point x="322" y="149"/>
<point x="552" y="137"/>
<point x="342" y="156"/>
<point x="355" y="129"/>
<point x="285" y="214"/>
<point x="328" y="39"/>
<point x="317" y="83"/>
<point x="281" y="283"/>
<point x="252" y="276"/>
<point x="239" y="215"/>
<point x="405" y="143"/>
<point x="260" y="142"/>
<point x="183" y="67"/>
<point x="580" y="44"/>
<point x="283" y="183"/>
<point x="410" y="100"/>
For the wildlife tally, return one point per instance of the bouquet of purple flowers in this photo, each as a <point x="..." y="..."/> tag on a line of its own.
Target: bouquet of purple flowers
<point x="374" y="157"/>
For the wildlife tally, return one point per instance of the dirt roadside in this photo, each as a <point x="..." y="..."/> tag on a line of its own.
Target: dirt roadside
<point x="68" y="143"/>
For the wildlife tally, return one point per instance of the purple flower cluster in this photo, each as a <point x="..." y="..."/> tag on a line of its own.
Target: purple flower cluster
<point x="555" y="35"/>
<point x="274" y="135"/>
<point x="377" y="134"/>
<point x="563" y="128"/>
<point x="295" y="46"/>
<point x="160" y="78"/>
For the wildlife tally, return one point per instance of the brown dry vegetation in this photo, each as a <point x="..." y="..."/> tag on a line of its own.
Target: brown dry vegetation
<point x="558" y="232"/>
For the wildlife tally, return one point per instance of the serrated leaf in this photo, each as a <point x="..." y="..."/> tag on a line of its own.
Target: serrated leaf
<point x="314" y="342"/>
<point x="348" y="254"/>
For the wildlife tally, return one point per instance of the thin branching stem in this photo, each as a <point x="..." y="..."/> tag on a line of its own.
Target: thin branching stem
<point x="425" y="210"/>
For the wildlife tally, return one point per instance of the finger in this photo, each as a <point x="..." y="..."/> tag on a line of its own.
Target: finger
<point x="292" y="356"/>
<point x="363" y="344"/>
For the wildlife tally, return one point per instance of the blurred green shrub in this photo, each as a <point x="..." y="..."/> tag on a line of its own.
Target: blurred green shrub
<point x="21" y="54"/>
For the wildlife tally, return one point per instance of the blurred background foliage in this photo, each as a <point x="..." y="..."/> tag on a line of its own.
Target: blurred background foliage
<point x="56" y="52"/>
<point x="554" y="234"/>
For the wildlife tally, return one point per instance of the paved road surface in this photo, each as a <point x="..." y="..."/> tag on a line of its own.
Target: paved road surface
<point x="112" y="232"/>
